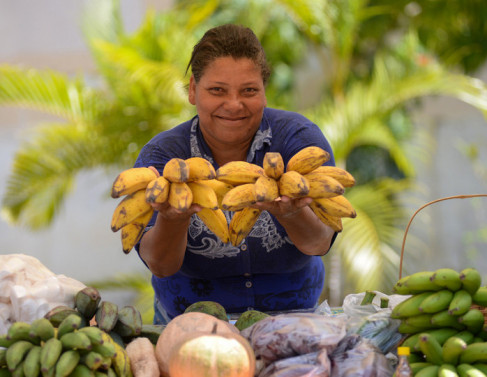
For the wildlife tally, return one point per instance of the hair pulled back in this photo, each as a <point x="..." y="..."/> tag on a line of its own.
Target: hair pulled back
<point x="231" y="40"/>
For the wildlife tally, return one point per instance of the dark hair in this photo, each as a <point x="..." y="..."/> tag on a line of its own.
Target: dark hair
<point x="227" y="40"/>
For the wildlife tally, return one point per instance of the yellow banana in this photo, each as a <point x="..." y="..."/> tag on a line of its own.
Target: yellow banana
<point x="131" y="207"/>
<point x="131" y="180"/>
<point x="200" y="168"/>
<point x="242" y="223"/>
<point x="216" y="221"/>
<point x="266" y="189"/>
<point x="176" y="170"/>
<point x="341" y="175"/>
<point x="332" y="221"/>
<point x="131" y="233"/>
<point x="180" y="196"/>
<point x="239" y="172"/>
<point x="293" y="184"/>
<point x="338" y="206"/>
<point x="307" y="159"/>
<point x="323" y="186"/>
<point x="203" y="195"/>
<point x="157" y="191"/>
<point x="239" y="197"/>
<point x="219" y="187"/>
<point x="273" y="165"/>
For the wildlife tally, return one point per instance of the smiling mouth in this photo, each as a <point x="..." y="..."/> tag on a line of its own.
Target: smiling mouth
<point x="231" y="118"/>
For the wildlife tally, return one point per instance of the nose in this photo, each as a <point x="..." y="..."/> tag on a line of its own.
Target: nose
<point x="233" y="102"/>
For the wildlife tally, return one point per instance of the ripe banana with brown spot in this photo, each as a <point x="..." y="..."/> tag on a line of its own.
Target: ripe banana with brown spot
<point x="216" y="221"/>
<point x="341" y="175"/>
<point x="266" y="189"/>
<point x="131" y="233"/>
<point x="239" y="197"/>
<point x="307" y="159"/>
<point x="239" y="172"/>
<point x="323" y="186"/>
<point x="219" y="187"/>
<point x="338" y="206"/>
<point x="333" y="222"/>
<point x="273" y="165"/>
<point x="293" y="184"/>
<point x="131" y="180"/>
<point x="203" y="195"/>
<point x="242" y="223"/>
<point x="180" y="196"/>
<point x="176" y="170"/>
<point x="157" y="191"/>
<point x="200" y="168"/>
<point x="129" y="208"/>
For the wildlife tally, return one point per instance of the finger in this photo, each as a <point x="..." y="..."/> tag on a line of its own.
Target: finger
<point x="155" y="170"/>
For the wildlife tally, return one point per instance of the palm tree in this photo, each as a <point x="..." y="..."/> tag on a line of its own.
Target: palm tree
<point x="143" y="93"/>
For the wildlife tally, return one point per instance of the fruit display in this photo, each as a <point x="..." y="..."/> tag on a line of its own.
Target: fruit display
<point x="443" y="321"/>
<point x="234" y="186"/>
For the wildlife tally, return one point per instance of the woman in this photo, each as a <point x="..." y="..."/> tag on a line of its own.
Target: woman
<point x="278" y="266"/>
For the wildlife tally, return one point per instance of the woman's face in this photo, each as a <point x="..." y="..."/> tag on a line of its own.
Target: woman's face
<point x="230" y="100"/>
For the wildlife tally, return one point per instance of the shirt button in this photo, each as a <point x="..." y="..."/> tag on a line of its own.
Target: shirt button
<point x="243" y="247"/>
<point x="248" y="284"/>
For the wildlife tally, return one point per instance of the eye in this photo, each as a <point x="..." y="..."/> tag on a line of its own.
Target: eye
<point x="216" y="90"/>
<point x="250" y="91"/>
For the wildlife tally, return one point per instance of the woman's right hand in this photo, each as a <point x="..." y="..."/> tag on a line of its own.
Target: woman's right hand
<point x="169" y="213"/>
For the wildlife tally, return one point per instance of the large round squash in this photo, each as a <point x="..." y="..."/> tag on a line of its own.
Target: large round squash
<point x="178" y="327"/>
<point x="203" y="354"/>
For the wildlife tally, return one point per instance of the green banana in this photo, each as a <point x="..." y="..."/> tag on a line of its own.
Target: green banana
<point x="460" y="303"/>
<point x="66" y="363"/>
<point x="92" y="360"/>
<point x="420" y="282"/>
<point x="42" y="328"/>
<point x="471" y="280"/>
<point x="19" y="371"/>
<point x="151" y="331"/>
<point x="69" y="324"/>
<point x="94" y="334"/>
<point x="405" y="328"/>
<point x="428" y="371"/>
<point x="32" y="362"/>
<point x="481" y="366"/>
<point x="129" y="322"/>
<point x="431" y="349"/>
<point x="480" y="297"/>
<point x="50" y="352"/>
<point x="467" y="370"/>
<point x="445" y="319"/>
<point x="106" y="349"/>
<point x="441" y="335"/>
<point x="399" y="286"/>
<point x="76" y="340"/>
<point x="57" y="314"/>
<point x="16" y="353"/>
<point x="410" y="306"/>
<point x="473" y="320"/>
<point x="466" y="335"/>
<point x="19" y="331"/>
<point x="447" y="278"/>
<point x="474" y="353"/>
<point x="421" y="321"/>
<point x="3" y="357"/>
<point x="447" y="370"/>
<point x="86" y="301"/>
<point x="436" y="302"/>
<point x="82" y="370"/>
<point x="418" y="365"/>
<point x="4" y="342"/>
<point x="452" y="349"/>
<point x="106" y="315"/>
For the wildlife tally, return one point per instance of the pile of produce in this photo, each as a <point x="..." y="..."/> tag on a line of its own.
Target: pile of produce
<point x="235" y="186"/>
<point x="443" y="318"/>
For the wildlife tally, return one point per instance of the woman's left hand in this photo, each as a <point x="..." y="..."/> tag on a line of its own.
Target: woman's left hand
<point x="284" y="206"/>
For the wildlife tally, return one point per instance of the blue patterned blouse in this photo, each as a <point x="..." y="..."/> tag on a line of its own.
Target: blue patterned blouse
<point x="266" y="272"/>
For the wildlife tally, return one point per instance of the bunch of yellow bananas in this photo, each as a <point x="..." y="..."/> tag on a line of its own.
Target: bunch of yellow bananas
<point x="304" y="176"/>
<point x="235" y="186"/>
<point x="183" y="182"/>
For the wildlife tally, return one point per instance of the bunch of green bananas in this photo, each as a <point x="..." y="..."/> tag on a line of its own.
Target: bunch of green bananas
<point x="88" y="339"/>
<point x="444" y="329"/>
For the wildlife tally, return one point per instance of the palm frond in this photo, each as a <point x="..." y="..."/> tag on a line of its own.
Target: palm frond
<point x="50" y="92"/>
<point x="43" y="172"/>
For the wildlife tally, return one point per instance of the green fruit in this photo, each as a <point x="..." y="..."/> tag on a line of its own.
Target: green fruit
<point x="248" y="318"/>
<point x="209" y="307"/>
